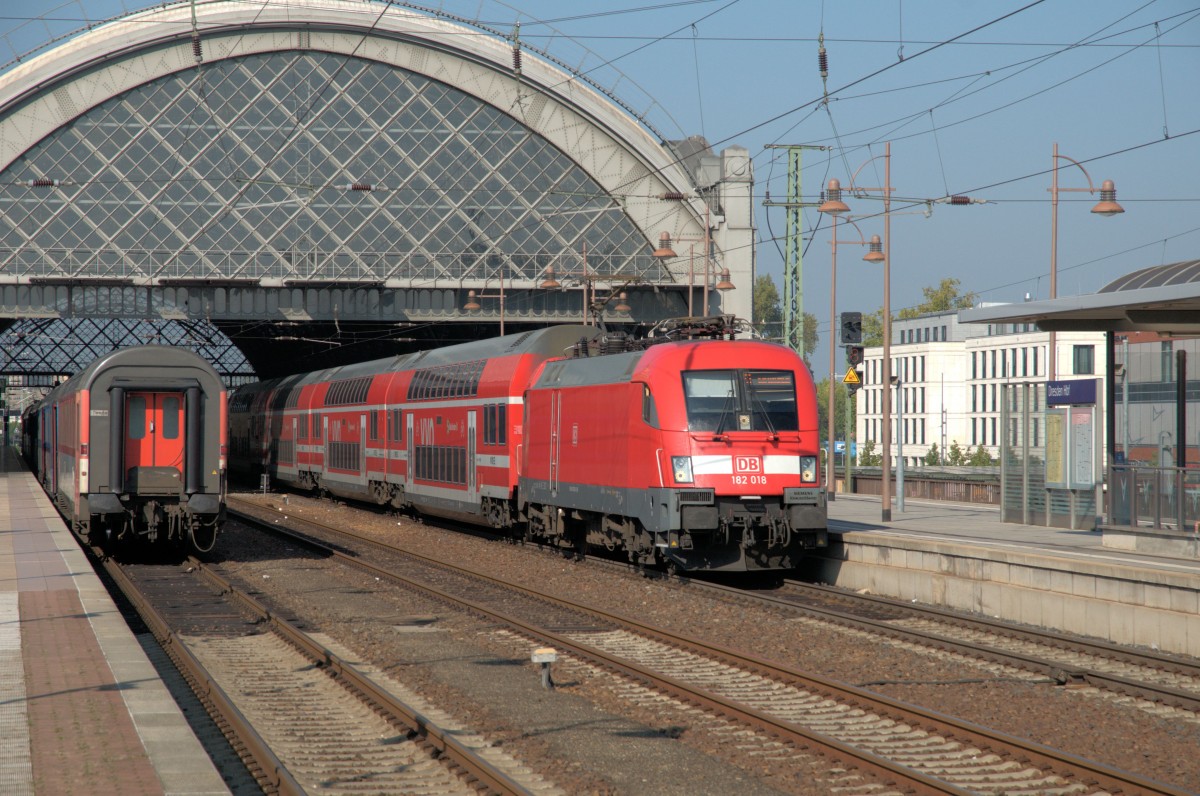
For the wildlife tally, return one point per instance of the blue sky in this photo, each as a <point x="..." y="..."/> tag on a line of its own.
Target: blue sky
<point x="972" y="95"/>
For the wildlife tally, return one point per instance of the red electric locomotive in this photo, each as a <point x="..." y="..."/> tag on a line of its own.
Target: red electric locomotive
<point x="688" y="449"/>
<point x="132" y="447"/>
<point x="698" y="453"/>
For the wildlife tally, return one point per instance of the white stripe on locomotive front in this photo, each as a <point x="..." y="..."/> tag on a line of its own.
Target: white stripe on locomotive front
<point x="723" y="465"/>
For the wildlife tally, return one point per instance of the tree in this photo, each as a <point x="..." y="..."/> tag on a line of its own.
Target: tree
<point x="867" y="457"/>
<point x="872" y="328"/>
<point x="942" y="298"/>
<point x="811" y="338"/>
<point x="768" y="317"/>
<point x="768" y="309"/>
<point x="934" y="457"/>
<point x="839" y="409"/>
<point x="956" y="458"/>
<point x="981" y="458"/>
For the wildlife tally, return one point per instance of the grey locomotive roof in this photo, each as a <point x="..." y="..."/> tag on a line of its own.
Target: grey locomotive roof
<point x="583" y="371"/>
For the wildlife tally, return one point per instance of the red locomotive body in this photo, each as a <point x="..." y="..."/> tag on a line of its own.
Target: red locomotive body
<point x="701" y="454"/>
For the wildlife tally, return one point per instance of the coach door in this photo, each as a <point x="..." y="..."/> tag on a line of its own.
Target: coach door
<point x="472" y="474"/>
<point x="410" y="459"/>
<point x="153" y="439"/>
<point x="555" y="438"/>
<point x="362" y="450"/>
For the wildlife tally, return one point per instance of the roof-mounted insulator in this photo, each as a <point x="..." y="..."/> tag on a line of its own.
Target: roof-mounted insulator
<point x="672" y="196"/>
<point x="516" y="49"/>
<point x="357" y="186"/>
<point x="43" y="182"/>
<point x="197" y="50"/>
<point x="822" y="57"/>
<point x="960" y="200"/>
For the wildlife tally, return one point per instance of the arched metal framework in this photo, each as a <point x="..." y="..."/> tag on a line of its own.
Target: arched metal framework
<point x="322" y="161"/>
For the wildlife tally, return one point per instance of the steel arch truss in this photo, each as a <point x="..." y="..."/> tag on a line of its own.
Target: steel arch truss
<point x="309" y="145"/>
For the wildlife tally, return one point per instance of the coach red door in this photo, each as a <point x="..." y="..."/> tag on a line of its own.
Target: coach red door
<point x="154" y="430"/>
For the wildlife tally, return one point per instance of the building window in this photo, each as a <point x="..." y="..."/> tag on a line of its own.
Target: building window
<point x="1024" y="361"/>
<point x="994" y="431"/>
<point x="1035" y="359"/>
<point x="1168" y="361"/>
<point x="974" y="437"/>
<point x="974" y="368"/>
<point x="994" y="371"/>
<point x="1085" y="360"/>
<point x="943" y="334"/>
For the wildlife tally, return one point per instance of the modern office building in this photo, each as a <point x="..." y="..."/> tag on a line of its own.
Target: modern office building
<point x="948" y="381"/>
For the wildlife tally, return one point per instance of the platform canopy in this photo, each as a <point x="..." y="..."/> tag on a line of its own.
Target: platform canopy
<point x="1163" y="299"/>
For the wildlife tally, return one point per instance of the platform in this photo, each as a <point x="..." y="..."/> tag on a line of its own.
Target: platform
<point x="961" y="556"/>
<point x="82" y="709"/>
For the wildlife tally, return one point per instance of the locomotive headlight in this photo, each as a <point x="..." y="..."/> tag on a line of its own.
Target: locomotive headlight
<point x="682" y="465"/>
<point x="808" y="468"/>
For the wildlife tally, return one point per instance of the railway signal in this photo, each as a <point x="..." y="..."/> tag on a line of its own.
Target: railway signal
<point x="851" y="328"/>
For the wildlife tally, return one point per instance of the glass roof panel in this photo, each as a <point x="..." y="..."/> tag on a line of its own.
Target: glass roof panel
<point x="232" y="167"/>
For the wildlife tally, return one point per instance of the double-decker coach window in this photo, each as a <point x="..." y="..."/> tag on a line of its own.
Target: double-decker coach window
<point x="495" y="424"/>
<point x="740" y="400"/>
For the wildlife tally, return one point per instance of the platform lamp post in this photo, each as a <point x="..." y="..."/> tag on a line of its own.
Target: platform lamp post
<point x="834" y="208"/>
<point x="1107" y="206"/>
<point x="833" y="205"/>
<point x="473" y="304"/>
<point x="666" y="252"/>
<point x="589" y="279"/>
<point x="833" y="192"/>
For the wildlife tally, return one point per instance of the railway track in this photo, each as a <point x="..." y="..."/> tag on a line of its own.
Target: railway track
<point x="915" y="749"/>
<point x="302" y="718"/>
<point x="1145" y="675"/>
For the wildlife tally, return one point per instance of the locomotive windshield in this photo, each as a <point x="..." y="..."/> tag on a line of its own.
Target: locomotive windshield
<point x="740" y="400"/>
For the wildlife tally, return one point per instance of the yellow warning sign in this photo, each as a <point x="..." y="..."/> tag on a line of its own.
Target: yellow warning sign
<point x="851" y="377"/>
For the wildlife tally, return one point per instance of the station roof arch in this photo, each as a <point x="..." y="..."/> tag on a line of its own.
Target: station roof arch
<point x="322" y="142"/>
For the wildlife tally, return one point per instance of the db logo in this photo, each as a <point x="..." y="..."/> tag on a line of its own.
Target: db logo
<point x="747" y="464"/>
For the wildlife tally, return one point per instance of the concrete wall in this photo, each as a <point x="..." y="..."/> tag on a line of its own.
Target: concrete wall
<point x="1120" y="603"/>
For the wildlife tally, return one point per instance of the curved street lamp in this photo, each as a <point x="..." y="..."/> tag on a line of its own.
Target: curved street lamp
<point x="1107" y="206"/>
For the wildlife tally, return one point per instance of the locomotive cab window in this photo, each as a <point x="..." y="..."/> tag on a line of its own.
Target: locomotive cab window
<point x="740" y="400"/>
